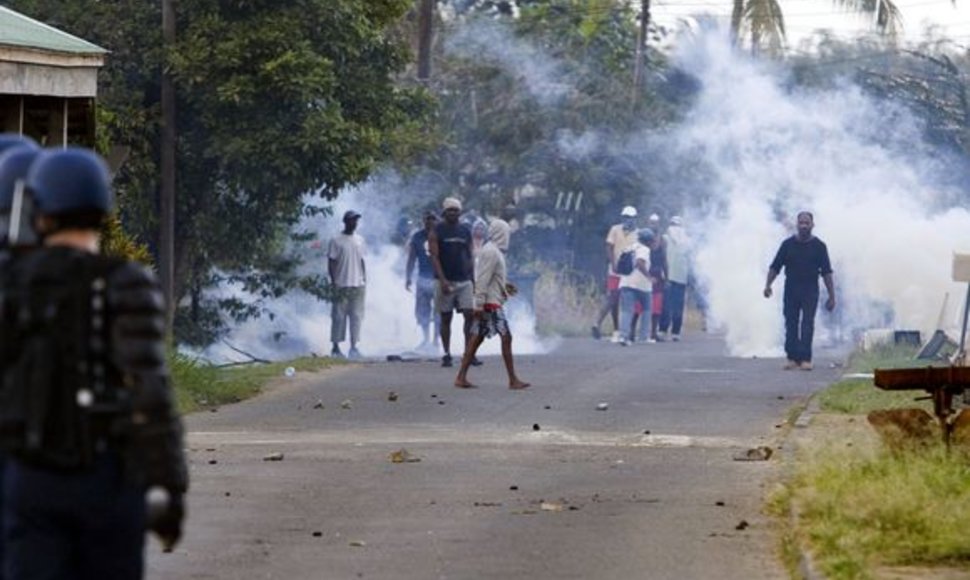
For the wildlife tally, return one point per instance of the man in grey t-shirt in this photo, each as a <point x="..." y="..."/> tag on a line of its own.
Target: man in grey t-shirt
<point x="348" y="278"/>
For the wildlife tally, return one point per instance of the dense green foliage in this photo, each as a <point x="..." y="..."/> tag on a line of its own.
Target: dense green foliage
<point x="277" y="99"/>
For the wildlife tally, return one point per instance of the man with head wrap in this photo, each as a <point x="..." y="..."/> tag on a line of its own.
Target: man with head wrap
<point x="492" y="289"/>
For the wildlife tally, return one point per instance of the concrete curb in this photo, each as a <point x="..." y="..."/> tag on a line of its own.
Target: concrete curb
<point x="807" y="568"/>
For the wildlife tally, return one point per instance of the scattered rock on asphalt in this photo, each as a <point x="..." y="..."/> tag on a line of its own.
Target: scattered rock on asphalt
<point x="434" y="396"/>
<point x="317" y="534"/>
<point x="318" y="404"/>
<point x="488" y="504"/>
<point x="551" y="506"/>
<point x="719" y="503"/>
<point x="392" y="396"/>
<point x="536" y="427"/>
<point x="514" y="487"/>
<point x="441" y="402"/>
<point x="228" y="494"/>
<point x="404" y="456"/>
<point x="358" y="544"/>
<point x="273" y="457"/>
<point x="212" y="462"/>
<point x="547" y="407"/>
<point x="742" y="525"/>
<point x="602" y="406"/>
<point x="347" y="404"/>
<point x="646" y="431"/>
<point x="761" y="453"/>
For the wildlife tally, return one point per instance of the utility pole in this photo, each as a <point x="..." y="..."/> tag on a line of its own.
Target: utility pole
<point x="166" y="226"/>
<point x="425" y="35"/>
<point x="641" y="52"/>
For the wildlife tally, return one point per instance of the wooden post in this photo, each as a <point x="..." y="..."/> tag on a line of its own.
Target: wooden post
<point x="641" y="52"/>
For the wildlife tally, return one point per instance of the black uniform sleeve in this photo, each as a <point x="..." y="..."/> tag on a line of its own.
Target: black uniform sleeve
<point x="138" y="350"/>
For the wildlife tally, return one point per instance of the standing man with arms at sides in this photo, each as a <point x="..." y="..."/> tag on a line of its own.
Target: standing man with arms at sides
<point x="678" y="266"/>
<point x="94" y="444"/>
<point x="804" y="258"/>
<point x="348" y="278"/>
<point x="450" y="243"/>
<point x="620" y="237"/>
<point x="418" y="253"/>
<point x="492" y="289"/>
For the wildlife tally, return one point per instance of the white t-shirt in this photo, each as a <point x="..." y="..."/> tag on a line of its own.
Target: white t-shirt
<point x="348" y="251"/>
<point x="636" y="279"/>
<point x="621" y="239"/>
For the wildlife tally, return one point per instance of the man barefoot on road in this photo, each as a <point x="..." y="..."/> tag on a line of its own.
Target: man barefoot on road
<point x="804" y="258"/>
<point x="491" y="291"/>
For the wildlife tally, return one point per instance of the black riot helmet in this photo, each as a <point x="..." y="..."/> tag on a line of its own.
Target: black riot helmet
<point x="72" y="186"/>
<point x="16" y="208"/>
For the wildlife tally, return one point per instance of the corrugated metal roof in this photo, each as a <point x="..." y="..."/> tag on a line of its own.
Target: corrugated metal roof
<point x="19" y="30"/>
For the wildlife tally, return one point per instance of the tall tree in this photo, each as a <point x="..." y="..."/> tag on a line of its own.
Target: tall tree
<point x="277" y="98"/>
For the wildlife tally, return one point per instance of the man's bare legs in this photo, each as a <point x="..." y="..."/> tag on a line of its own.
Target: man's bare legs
<point x="611" y="306"/>
<point x="461" y="380"/>
<point x="445" y="328"/>
<point x="471" y="348"/>
<point x="514" y="382"/>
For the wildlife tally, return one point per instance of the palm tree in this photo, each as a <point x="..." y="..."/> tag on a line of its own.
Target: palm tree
<point x="764" y="23"/>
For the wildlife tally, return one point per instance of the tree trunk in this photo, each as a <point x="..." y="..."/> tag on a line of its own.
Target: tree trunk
<point x="737" y="13"/>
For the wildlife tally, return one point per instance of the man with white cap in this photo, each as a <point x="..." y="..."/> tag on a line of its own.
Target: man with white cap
<point x="678" y="267"/>
<point x="450" y="244"/>
<point x="620" y="237"/>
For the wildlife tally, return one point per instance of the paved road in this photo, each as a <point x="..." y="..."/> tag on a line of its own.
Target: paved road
<point x="629" y="492"/>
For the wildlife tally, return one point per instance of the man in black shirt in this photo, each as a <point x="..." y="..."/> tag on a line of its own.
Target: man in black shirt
<point x="450" y="244"/>
<point x="804" y="258"/>
<point x="419" y="254"/>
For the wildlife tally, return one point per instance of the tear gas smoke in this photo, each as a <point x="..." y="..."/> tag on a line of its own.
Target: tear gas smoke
<point x="488" y="40"/>
<point x="879" y="196"/>
<point x="300" y="324"/>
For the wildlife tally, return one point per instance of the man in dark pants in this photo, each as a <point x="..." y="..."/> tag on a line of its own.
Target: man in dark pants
<point x="16" y="155"/>
<point x="804" y="258"/>
<point x="450" y="244"/>
<point x="95" y="445"/>
<point x="424" y="307"/>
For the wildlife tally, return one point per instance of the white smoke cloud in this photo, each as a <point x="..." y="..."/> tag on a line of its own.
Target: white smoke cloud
<point x="859" y="165"/>
<point x="300" y="324"/>
<point x="492" y="42"/>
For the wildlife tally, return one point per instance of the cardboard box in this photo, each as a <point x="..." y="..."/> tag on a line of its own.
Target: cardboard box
<point x="961" y="267"/>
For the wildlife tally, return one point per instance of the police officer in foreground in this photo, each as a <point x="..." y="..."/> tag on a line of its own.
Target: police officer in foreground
<point x="93" y="443"/>
<point x="16" y="154"/>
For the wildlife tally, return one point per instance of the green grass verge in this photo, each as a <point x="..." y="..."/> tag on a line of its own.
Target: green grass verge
<point x="859" y="396"/>
<point x="860" y="512"/>
<point x="200" y="385"/>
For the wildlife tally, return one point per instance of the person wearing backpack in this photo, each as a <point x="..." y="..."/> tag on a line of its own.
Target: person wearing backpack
<point x="636" y="287"/>
<point x="93" y="443"/>
<point x="620" y="238"/>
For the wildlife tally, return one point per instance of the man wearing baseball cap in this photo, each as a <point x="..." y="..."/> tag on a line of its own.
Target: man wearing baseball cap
<point x="348" y="278"/>
<point x="620" y="237"/>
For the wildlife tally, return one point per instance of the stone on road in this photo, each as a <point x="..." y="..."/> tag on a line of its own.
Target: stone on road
<point x="588" y="495"/>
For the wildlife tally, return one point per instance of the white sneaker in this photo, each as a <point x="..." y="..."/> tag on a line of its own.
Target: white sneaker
<point x="675" y="338"/>
<point x="616" y="338"/>
<point x="651" y="341"/>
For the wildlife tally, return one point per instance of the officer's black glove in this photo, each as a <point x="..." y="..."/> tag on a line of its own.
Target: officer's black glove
<point x="166" y="510"/>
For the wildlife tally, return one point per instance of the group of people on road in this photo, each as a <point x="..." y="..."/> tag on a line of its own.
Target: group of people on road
<point x="460" y="267"/>
<point x="646" y="282"/>
<point x="91" y="450"/>
<point x="648" y="275"/>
